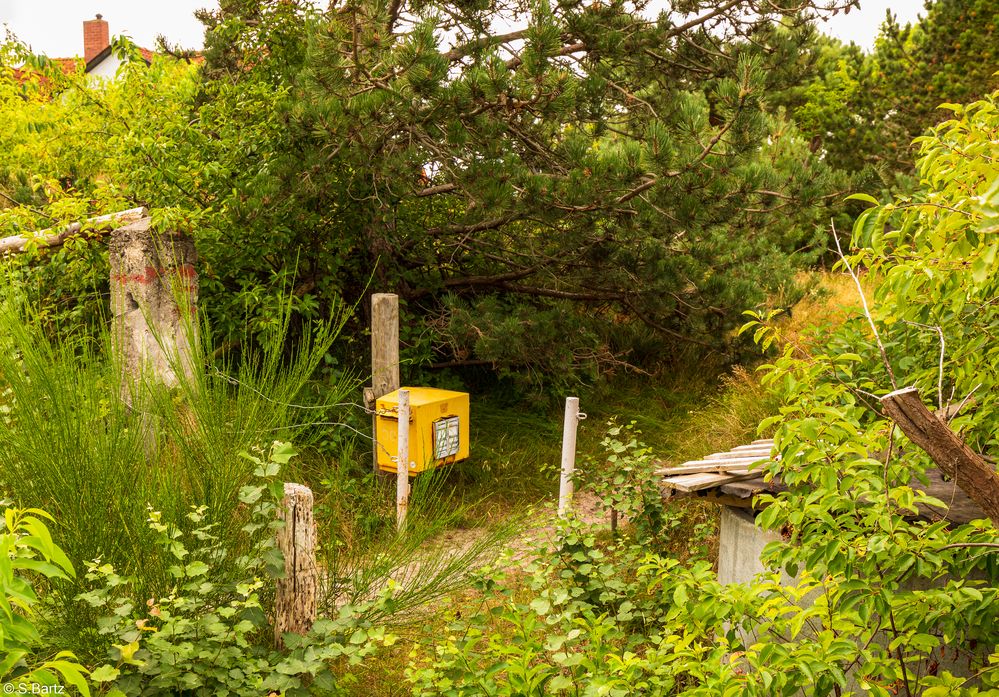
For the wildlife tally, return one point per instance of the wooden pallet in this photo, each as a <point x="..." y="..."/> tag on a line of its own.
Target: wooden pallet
<point x="743" y="462"/>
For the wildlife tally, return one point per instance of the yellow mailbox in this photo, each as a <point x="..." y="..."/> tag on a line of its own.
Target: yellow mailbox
<point x="438" y="428"/>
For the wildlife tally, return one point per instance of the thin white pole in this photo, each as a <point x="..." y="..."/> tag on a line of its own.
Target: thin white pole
<point x="565" y="486"/>
<point x="402" y="462"/>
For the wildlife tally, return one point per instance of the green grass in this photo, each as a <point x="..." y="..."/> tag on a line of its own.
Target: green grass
<point x="514" y="465"/>
<point x="516" y="451"/>
<point x="68" y="444"/>
<point x="686" y="411"/>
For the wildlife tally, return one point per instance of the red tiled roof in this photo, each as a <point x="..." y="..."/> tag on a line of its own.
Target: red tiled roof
<point x="69" y="65"/>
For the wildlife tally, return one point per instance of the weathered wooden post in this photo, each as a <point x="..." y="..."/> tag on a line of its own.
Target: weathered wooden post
<point x="295" y="600"/>
<point x="384" y="355"/>
<point x="402" y="463"/>
<point x="154" y="295"/>
<point x="565" y="486"/>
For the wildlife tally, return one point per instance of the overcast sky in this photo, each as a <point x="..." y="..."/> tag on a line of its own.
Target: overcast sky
<point x="54" y="27"/>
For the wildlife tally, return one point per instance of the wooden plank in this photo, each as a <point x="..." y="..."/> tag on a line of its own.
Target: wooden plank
<point x="707" y="480"/>
<point x="697" y="469"/>
<point x="762" y="446"/>
<point x="738" y="453"/>
<point x="697" y="466"/>
<point x="727" y="461"/>
<point x="769" y="441"/>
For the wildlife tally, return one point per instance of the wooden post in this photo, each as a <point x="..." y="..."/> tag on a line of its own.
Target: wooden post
<point x="402" y="463"/>
<point x="969" y="470"/>
<point x="295" y="600"/>
<point x="384" y="354"/>
<point x="565" y="486"/>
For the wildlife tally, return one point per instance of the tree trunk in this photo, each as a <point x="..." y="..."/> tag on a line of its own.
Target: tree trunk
<point x="969" y="470"/>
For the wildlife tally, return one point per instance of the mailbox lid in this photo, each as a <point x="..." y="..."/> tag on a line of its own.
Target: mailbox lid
<point x="419" y="397"/>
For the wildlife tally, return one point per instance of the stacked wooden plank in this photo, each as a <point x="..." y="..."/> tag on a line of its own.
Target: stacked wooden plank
<point x="743" y="462"/>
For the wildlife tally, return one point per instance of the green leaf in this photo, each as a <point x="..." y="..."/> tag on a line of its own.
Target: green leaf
<point x="8" y="662"/>
<point x="282" y="452"/>
<point x="541" y="606"/>
<point x="867" y="198"/>
<point x="197" y="568"/>
<point x="105" y="673"/>
<point x="560" y="682"/>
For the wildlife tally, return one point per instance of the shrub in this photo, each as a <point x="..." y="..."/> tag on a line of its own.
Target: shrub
<point x="26" y="549"/>
<point x="876" y="595"/>
<point x="209" y="634"/>
<point x="855" y="482"/>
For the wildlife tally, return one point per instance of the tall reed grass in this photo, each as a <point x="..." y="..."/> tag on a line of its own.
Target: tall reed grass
<point x="71" y="445"/>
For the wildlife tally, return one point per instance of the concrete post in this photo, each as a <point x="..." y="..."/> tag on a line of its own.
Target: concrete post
<point x="154" y="295"/>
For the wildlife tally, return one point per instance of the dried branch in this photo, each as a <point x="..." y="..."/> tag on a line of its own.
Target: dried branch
<point x="459" y="52"/>
<point x="867" y="311"/>
<point x="943" y="353"/>
<point x="49" y="238"/>
<point x="434" y="190"/>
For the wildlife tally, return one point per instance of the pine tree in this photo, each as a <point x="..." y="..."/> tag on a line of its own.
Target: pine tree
<point x="581" y="167"/>
<point x="866" y="109"/>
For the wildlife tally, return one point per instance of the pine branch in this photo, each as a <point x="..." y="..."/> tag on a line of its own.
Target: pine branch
<point x="460" y="52"/>
<point x="517" y="61"/>
<point x="698" y="21"/>
<point x="434" y="190"/>
<point x="490" y="224"/>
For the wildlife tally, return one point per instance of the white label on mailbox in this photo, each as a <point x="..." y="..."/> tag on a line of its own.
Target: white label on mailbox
<point x="445" y="437"/>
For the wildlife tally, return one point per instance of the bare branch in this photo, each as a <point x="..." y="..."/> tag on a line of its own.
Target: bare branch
<point x="459" y="52"/>
<point x="50" y="238"/>
<point x="697" y="21"/>
<point x="434" y="190"/>
<point x="867" y="311"/>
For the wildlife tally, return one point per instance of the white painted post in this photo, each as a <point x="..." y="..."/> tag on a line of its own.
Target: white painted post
<point x="402" y="462"/>
<point x="565" y="486"/>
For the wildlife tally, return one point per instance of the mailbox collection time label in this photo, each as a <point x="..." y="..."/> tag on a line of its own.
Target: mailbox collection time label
<point x="446" y="437"/>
